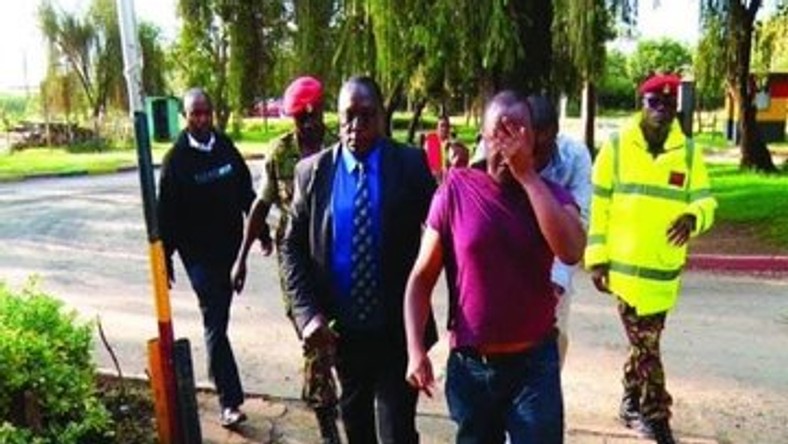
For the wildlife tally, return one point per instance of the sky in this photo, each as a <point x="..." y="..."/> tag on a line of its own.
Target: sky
<point x="23" y="51"/>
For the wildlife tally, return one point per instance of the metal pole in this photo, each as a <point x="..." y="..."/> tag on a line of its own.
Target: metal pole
<point x="165" y="399"/>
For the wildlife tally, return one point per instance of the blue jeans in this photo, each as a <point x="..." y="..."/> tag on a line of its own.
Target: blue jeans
<point x="518" y="394"/>
<point x="212" y="285"/>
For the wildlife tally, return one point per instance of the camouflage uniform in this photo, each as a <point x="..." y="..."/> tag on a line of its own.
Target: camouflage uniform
<point x="643" y="372"/>
<point x="319" y="389"/>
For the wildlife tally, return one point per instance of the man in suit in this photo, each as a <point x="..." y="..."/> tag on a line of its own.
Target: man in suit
<point x="352" y="238"/>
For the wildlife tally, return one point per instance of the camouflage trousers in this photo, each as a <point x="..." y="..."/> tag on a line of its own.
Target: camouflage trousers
<point x="643" y="372"/>
<point x="319" y="389"/>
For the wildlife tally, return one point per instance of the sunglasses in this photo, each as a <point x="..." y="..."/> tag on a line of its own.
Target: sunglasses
<point x="657" y="102"/>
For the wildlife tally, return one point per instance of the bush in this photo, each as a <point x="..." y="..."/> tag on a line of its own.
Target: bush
<point x="47" y="392"/>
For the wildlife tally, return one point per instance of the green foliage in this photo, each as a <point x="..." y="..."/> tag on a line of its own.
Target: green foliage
<point x="154" y="65"/>
<point x="658" y="56"/>
<point x="710" y="61"/>
<point x="615" y="89"/>
<point x="45" y="360"/>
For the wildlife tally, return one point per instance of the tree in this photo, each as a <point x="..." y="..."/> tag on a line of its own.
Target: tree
<point x="74" y="39"/>
<point x="738" y="24"/>
<point x="248" y="56"/>
<point x="709" y="63"/>
<point x="154" y="65"/>
<point x="658" y="56"/>
<point x="202" y="50"/>
<point x="616" y="90"/>
<point x="588" y="25"/>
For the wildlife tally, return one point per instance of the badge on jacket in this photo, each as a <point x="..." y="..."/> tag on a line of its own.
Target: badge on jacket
<point x="677" y="178"/>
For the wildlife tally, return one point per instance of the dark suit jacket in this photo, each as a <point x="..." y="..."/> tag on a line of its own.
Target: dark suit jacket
<point x="406" y="191"/>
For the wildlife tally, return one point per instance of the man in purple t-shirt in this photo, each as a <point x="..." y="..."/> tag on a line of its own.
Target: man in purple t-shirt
<point x="496" y="233"/>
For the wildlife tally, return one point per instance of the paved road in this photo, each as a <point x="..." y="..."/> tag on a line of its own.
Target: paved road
<point x="725" y="346"/>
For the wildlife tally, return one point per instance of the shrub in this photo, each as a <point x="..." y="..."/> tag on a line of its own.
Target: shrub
<point x="47" y="392"/>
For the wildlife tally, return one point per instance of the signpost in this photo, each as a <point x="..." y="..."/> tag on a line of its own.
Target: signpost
<point x="172" y="380"/>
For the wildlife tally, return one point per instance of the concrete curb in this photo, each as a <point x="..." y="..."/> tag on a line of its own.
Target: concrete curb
<point x="736" y="263"/>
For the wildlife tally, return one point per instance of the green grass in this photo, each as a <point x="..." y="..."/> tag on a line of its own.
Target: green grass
<point x="712" y="140"/>
<point x="757" y="200"/>
<point x="40" y="161"/>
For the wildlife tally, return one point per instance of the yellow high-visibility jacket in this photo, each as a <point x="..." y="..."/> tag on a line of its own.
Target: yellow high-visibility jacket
<point x="636" y="199"/>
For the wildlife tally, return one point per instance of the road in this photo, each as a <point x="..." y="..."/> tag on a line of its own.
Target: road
<point x="724" y="347"/>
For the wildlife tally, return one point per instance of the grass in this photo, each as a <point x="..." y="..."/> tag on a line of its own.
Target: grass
<point x="756" y="200"/>
<point x="59" y="161"/>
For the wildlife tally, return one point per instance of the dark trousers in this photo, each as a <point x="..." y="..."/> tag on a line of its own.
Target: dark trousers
<point x="643" y="372"/>
<point x="211" y="283"/>
<point x="519" y="394"/>
<point x="371" y="369"/>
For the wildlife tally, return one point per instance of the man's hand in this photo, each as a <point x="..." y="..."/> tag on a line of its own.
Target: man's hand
<point x="680" y="230"/>
<point x="517" y="145"/>
<point x="419" y="373"/>
<point x="238" y="275"/>
<point x="318" y="335"/>
<point x="600" y="276"/>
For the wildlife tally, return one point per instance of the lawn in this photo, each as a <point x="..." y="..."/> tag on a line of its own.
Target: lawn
<point x="753" y="200"/>
<point x="255" y="139"/>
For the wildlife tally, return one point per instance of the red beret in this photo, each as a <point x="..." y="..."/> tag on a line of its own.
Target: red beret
<point x="661" y="83"/>
<point x="304" y="94"/>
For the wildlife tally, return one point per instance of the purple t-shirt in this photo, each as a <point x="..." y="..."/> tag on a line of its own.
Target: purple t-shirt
<point x="497" y="261"/>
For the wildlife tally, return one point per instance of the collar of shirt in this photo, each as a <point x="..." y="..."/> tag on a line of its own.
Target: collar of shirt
<point x="204" y="147"/>
<point x="371" y="162"/>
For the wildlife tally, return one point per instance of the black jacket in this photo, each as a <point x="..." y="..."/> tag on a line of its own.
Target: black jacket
<point x="406" y="192"/>
<point x="202" y="201"/>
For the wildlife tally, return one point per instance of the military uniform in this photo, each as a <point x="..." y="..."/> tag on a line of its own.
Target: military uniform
<point x="636" y="198"/>
<point x="319" y="389"/>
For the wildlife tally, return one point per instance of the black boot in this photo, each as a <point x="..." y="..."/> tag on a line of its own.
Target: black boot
<point x="327" y="421"/>
<point x="629" y="412"/>
<point x="661" y="432"/>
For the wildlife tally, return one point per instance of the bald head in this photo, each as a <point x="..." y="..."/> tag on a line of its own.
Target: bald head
<point x="361" y="115"/>
<point x="193" y="96"/>
<point x="199" y="113"/>
<point x="506" y="104"/>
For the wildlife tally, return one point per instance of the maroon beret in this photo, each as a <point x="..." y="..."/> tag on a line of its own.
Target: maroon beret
<point x="662" y="84"/>
<point x="303" y="94"/>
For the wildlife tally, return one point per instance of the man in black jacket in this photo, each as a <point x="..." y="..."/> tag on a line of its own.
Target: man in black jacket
<point x="204" y="191"/>
<point x="351" y="241"/>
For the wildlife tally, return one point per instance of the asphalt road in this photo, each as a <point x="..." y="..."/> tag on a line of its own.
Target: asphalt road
<point x="724" y="348"/>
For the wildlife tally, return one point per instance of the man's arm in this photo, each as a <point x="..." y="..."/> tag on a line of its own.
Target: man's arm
<point x="421" y="282"/>
<point x="256" y="228"/>
<point x="597" y="258"/>
<point x="297" y="267"/>
<point x="559" y="225"/>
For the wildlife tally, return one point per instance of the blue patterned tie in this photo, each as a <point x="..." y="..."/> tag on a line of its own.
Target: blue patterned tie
<point x="364" y="273"/>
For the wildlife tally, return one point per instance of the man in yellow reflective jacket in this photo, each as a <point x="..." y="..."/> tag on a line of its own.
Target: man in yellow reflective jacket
<point x="651" y="194"/>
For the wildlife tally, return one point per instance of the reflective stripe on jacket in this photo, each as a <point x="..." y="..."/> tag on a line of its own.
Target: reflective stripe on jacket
<point x="636" y="199"/>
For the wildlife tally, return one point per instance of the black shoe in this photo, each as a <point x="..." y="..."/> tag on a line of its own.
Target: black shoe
<point x="327" y="422"/>
<point x="661" y="432"/>
<point x="231" y="417"/>
<point x="629" y="412"/>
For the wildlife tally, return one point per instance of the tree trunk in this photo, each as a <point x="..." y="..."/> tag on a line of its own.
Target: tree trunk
<point x="418" y="107"/>
<point x="393" y="102"/>
<point x="755" y="154"/>
<point x="588" y="115"/>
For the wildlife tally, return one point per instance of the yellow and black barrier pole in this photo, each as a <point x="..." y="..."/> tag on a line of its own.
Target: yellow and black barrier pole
<point x="172" y="380"/>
